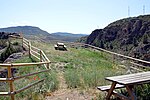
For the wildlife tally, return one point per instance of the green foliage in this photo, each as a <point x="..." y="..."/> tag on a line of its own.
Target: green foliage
<point x="3" y="42"/>
<point x="135" y="43"/>
<point x="145" y="39"/>
<point x="72" y="78"/>
<point x="9" y="50"/>
<point x="141" y="91"/>
<point x="49" y="85"/>
<point x="88" y="69"/>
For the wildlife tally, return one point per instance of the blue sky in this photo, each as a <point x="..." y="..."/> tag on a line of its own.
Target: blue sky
<point x="75" y="16"/>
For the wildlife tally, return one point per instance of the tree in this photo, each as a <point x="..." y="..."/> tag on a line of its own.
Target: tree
<point x="101" y="44"/>
<point x="145" y="39"/>
<point x="135" y="43"/>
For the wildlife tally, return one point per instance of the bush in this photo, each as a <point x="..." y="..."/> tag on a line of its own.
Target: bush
<point x="10" y="50"/>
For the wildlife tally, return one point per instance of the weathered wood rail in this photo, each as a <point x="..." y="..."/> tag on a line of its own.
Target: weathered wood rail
<point x="33" y="52"/>
<point x="135" y="64"/>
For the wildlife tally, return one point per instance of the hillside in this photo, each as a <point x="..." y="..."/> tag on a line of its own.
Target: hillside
<point x="27" y="30"/>
<point x="129" y="36"/>
<point x="70" y="37"/>
<point x="32" y="32"/>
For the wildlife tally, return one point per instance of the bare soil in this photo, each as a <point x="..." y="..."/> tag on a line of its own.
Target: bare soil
<point x="64" y="93"/>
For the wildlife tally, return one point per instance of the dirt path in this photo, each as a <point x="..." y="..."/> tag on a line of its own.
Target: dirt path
<point x="63" y="93"/>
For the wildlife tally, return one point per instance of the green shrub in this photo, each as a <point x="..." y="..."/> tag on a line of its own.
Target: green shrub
<point x="141" y="91"/>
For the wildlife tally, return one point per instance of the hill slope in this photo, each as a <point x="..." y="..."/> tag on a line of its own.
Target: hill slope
<point x="27" y="30"/>
<point x="64" y="36"/>
<point x="37" y="33"/>
<point x="130" y="36"/>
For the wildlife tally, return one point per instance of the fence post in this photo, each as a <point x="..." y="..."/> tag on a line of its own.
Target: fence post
<point x="21" y="35"/>
<point x="29" y="45"/>
<point x="40" y="56"/>
<point x="48" y="67"/>
<point x="11" y="85"/>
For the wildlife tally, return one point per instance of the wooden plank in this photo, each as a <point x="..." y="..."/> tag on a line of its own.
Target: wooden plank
<point x="28" y="86"/>
<point x="131" y="78"/>
<point x="110" y="91"/>
<point x="35" y="48"/>
<point x="107" y="87"/>
<point x="25" y="40"/>
<point x="13" y="36"/>
<point x="32" y="51"/>
<point x="35" y="56"/>
<point x="45" y="56"/>
<point x="26" y="45"/>
<point x="5" y="93"/>
<point x="5" y="65"/>
<point x="6" y="79"/>
<point x="131" y="58"/>
<point x="19" y="77"/>
<point x="28" y="64"/>
<point x="140" y="65"/>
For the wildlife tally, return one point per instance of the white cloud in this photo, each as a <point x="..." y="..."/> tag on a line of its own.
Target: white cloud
<point x="21" y="23"/>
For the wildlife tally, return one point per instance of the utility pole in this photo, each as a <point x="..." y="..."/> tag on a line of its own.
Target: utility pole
<point x="128" y="11"/>
<point x="143" y="9"/>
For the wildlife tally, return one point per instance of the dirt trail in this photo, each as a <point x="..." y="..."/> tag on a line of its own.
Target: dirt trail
<point x="63" y="93"/>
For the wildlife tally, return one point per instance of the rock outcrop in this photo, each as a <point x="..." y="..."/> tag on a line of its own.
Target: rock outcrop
<point x="130" y="36"/>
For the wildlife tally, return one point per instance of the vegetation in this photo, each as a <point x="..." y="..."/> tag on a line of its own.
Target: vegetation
<point x="127" y="36"/>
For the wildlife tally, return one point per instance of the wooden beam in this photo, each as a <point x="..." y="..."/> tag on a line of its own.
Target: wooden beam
<point x="28" y="86"/>
<point x="131" y="58"/>
<point x="19" y="77"/>
<point x="11" y="85"/>
<point x="32" y="51"/>
<point x="110" y="91"/>
<point x="26" y="45"/>
<point x="45" y="56"/>
<point x="35" y="48"/>
<point x="5" y="93"/>
<point x="28" y="64"/>
<point x="25" y="40"/>
<point x="6" y="79"/>
<point x="35" y="56"/>
<point x="5" y="65"/>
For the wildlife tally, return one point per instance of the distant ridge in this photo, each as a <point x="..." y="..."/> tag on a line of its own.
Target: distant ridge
<point x="69" y="37"/>
<point x="27" y="30"/>
<point x="33" y="32"/>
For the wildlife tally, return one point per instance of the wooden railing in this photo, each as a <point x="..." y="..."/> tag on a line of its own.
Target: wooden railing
<point x="137" y="64"/>
<point x="33" y="52"/>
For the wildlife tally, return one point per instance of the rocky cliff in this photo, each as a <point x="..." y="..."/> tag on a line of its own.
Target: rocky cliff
<point x="129" y="36"/>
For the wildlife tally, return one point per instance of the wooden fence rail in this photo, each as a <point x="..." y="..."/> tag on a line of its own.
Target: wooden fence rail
<point x="133" y="61"/>
<point x="33" y="51"/>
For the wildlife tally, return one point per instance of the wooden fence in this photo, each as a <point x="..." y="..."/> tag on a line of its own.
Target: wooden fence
<point x="33" y="51"/>
<point x="135" y="64"/>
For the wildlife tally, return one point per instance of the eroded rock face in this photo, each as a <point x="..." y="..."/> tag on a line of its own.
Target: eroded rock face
<point x="13" y="57"/>
<point x="4" y="35"/>
<point x="125" y="36"/>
